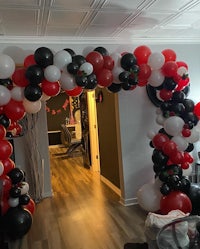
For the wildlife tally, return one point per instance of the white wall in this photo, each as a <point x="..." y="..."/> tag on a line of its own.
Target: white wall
<point x="137" y="113"/>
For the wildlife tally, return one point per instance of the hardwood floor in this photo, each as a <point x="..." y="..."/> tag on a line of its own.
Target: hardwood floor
<point x="83" y="212"/>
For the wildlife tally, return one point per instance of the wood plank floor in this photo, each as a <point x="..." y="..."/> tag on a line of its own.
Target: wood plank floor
<point x="83" y="212"/>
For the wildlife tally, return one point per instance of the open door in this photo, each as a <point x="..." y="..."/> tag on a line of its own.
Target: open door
<point x="93" y="130"/>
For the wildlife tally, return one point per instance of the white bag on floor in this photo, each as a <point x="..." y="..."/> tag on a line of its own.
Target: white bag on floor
<point x="154" y="222"/>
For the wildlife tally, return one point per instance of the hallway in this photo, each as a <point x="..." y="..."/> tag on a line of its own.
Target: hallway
<point x="83" y="212"/>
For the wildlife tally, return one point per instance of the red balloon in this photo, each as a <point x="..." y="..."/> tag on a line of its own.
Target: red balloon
<point x="186" y="132"/>
<point x="50" y="88"/>
<point x="165" y="94"/>
<point x="29" y="60"/>
<point x="142" y="54"/>
<point x="30" y="206"/>
<point x="6" y="184"/>
<point x="8" y="165"/>
<point x="169" y="147"/>
<point x="177" y="157"/>
<point x="169" y="69"/>
<point x="96" y="59"/>
<point x="4" y="205"/>
<point x="197" y="109"/>
<point x="6" y="149"/>
<point x="1" y="110"/>
<point x="104" y="78"/>
<point x="144" y="72"/>
<point x="159" y="140"/>
<point x="19" y="78"/>
<point x="182" y="64"/>
<point x="142" y="82"/>
<point x="185" y="165"/>
<point x="182" y="83"/>
<point x="188" y="158"/>
<point x="74" y="92"/>
<point x="108" y="62"/>
<point x="169" y="55"/>
<point x="175" y="200"/>
<point x="14" y="110"/>
<point x="2" y="132"/>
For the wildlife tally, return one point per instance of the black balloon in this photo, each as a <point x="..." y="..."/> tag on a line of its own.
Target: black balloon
<point x="103" y="51"/>
<point x="178" y="109"/>
<point x="132" y="80"/>
<point x="170" y="170"/>
<point x="114" y="88"/>
<point x="34" y="74"/>
<point x="24" y="199"/>
<point x="126" y="86"/>
<point x="194" y="195"/>
<point x="70" y="51"/>
<point x="165" y="189"/>
<point x="169" y="84"/>
<point x="158" y="168"/>
<point x="186" y="90"/>
<point x="81" y="80"/>
<point x="185" y="184"/>
<point x="7" y="83"/>
<point x="16" y="175"/>
<point x="128" y="60"/>
<point x="78" y="59"/>
<point x="124" y="76"/>
<point x="5" y="121"/>
<point x="189" y="105"/>
<point x="15" y="192"/>
<point x="17" y="222"/>
<point x="190" y="147"/>
<point x="173" y="181"/>
<point x="190" y="118"/>
<point x="159" y="158"/>
<point x="33" y="92"/>
<point x="178" y="96"/>
<point x="43" y="57"/>
<point x="91" y="82"/>
<point x="73" y="68"/>
<point x="152" y="94"/>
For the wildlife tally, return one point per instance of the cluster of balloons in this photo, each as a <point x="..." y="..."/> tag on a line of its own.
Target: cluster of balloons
<point x="45" y="74"/>
<point x="14" y="193"/>
<point x="179" y="118"/>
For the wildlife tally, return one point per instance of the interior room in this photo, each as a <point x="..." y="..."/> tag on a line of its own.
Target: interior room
<point x="93" y="173"/>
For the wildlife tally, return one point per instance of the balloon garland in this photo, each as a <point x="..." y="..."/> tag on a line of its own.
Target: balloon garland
<point x="44" y="75"/>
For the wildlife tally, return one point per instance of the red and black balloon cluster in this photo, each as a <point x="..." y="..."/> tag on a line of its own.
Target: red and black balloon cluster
<point x="179" y="117"/>
<point x="16" y="206"/>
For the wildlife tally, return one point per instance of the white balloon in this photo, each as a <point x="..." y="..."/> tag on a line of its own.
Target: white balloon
<point x="182" y="70"/>
<point x="194" y="137"/>
<point x="151" y="134"/>
<point x="24" y="186"/>
<point x="117" y="59"/>
<point x="17" y="93"/>
<point x="86" y="68"/>
<point x="13" y="202"/>
<point x="45" y="97"/>
<point x="156" y="60"/>
<point x="156" y="78"/>
<point x="32" y="106"/>
<point x="62" y="59"/>
<point x="173" y="125"/>
<point x="160" y="119"/>
<point x="7" y="66"/>
<point x="52" y="73"/>
<point x="5" y="95"/>
<point x="181" y="143"/>
<point x="149" y="197"/>
<point x="67" y="81"/>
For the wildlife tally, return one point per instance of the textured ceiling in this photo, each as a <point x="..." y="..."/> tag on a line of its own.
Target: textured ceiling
<point x="101" y="19"/>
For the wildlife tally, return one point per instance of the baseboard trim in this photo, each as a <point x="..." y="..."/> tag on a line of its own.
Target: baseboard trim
<point x="128" y="202"/>
<point x="111" y="185"/>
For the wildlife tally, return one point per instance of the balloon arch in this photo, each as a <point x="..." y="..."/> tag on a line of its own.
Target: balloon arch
<point x="44" y="75"/>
